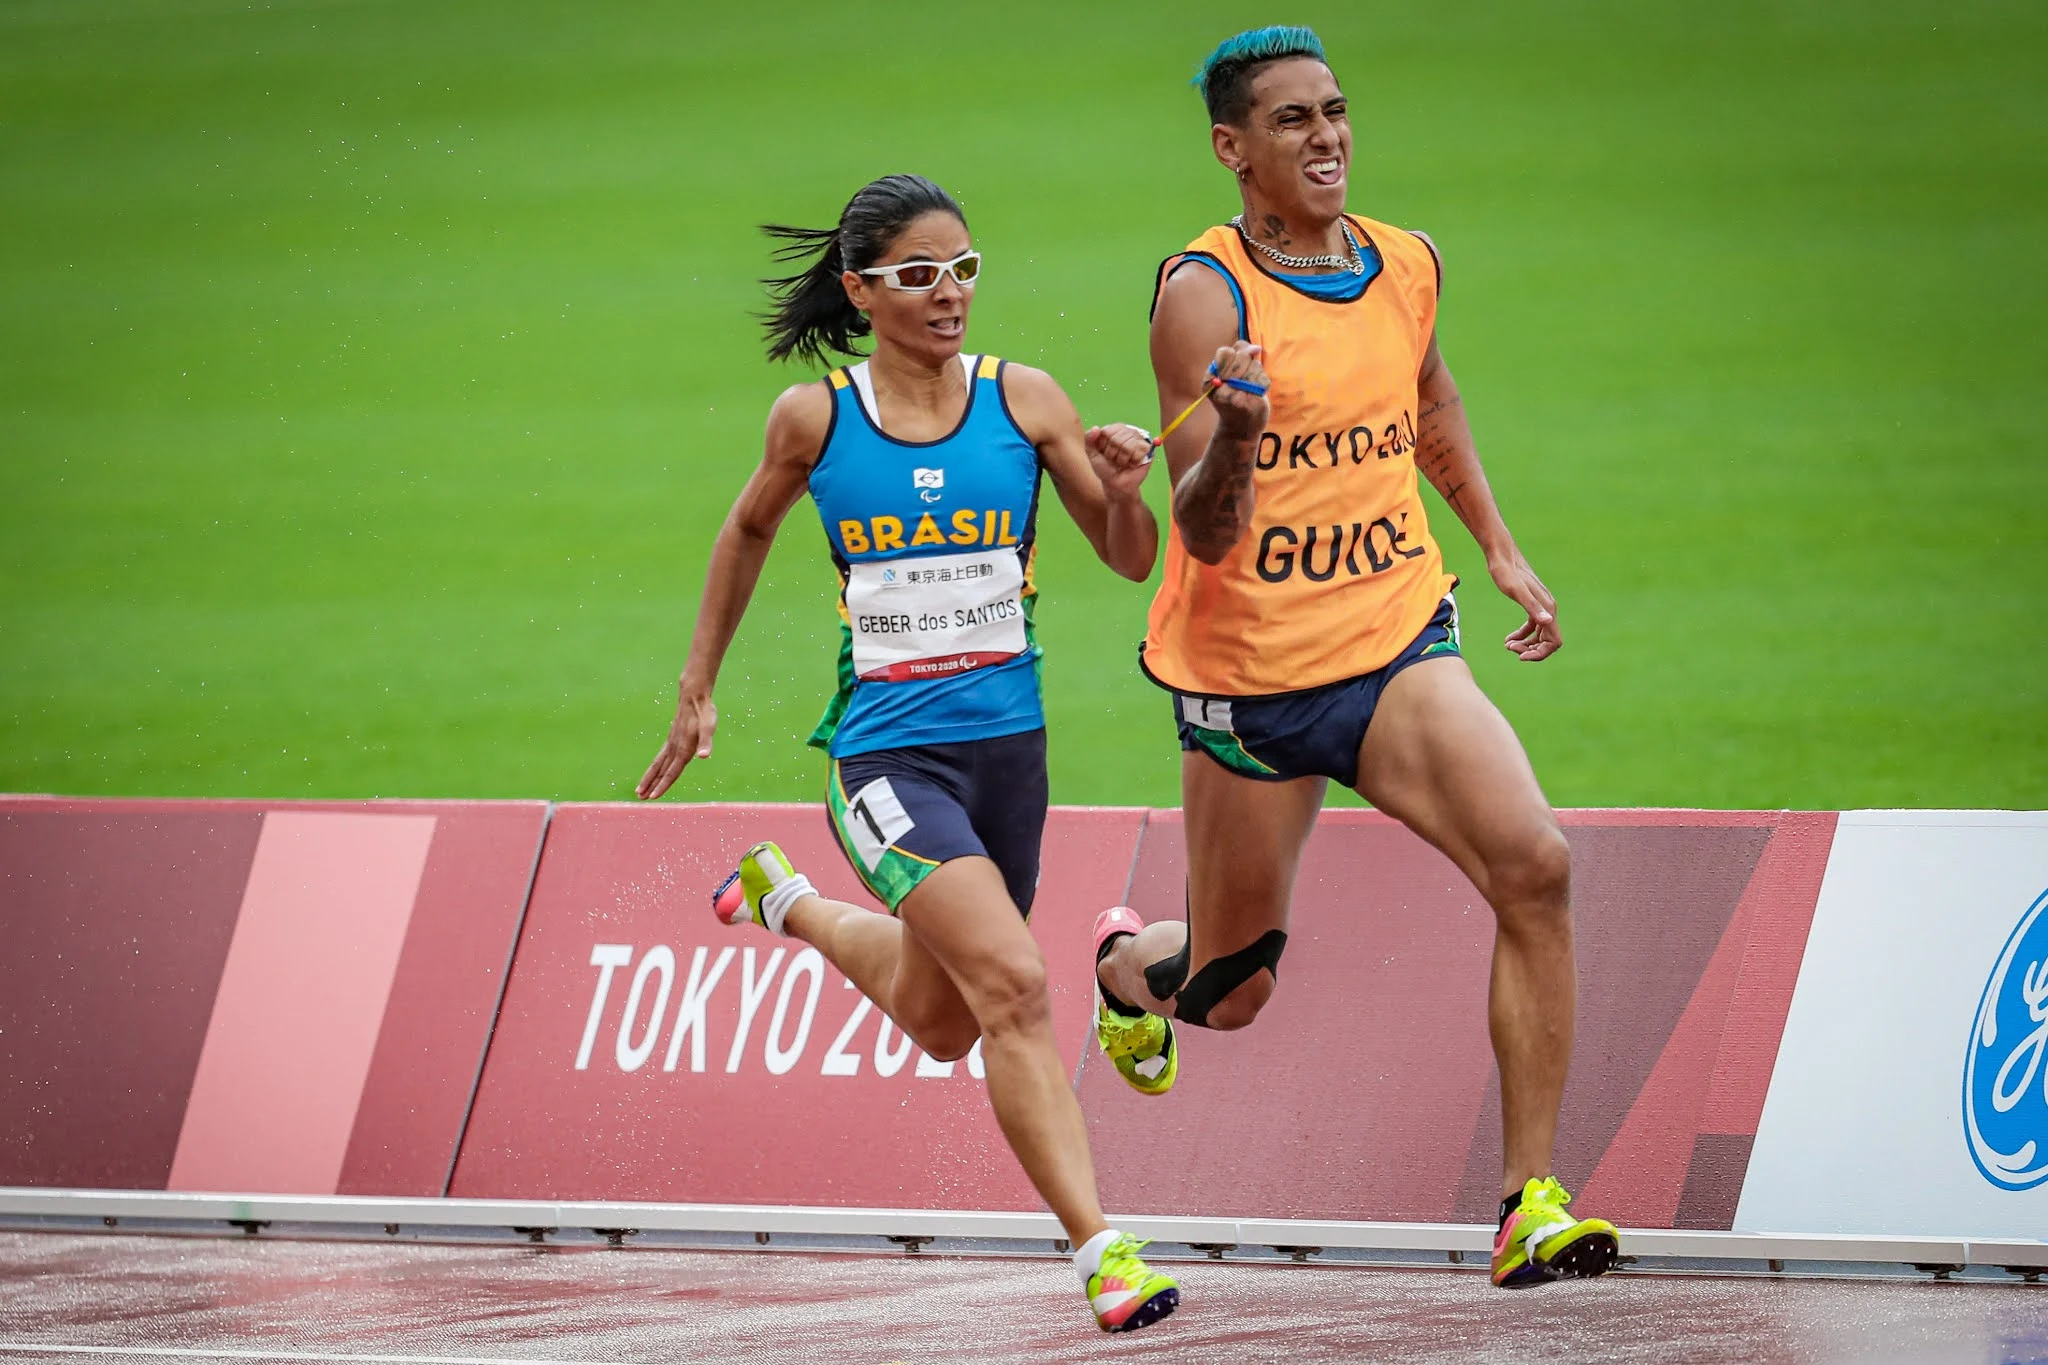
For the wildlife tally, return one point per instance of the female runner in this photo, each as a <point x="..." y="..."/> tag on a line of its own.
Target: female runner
<point x="924" y="464"/>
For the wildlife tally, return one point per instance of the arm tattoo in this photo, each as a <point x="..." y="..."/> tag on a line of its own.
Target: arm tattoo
<point x="1214" y="505"/>
<point x="1437" y="451"/>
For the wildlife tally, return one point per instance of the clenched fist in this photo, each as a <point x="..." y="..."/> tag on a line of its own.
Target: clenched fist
<point x="1239" y="412"/>
<point x="1121" y="455"/>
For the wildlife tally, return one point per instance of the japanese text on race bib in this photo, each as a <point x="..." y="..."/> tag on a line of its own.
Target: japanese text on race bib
<point x="933" y="617"/>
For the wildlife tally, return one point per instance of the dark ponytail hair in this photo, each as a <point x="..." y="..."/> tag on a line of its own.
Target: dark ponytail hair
<point x="812" y="313"/>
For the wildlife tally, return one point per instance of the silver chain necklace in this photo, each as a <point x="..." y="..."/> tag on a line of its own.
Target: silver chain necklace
<point x="1355" y="263"/>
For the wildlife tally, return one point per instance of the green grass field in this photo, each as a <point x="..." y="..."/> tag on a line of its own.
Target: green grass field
<point x="374" y="375"/>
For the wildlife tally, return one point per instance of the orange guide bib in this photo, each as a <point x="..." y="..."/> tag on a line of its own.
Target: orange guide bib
<point x="1338" y="571"/>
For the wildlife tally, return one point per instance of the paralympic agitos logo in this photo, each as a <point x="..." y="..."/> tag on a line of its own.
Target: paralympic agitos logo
<point x="2005" y="1076"/>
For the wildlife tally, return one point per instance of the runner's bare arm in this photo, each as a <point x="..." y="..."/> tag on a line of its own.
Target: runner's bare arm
<point x="1449" y="459"/>
<point x="796" y="435"/>
<point x="1210" y="456"/>
<point x="1098" y="473"/>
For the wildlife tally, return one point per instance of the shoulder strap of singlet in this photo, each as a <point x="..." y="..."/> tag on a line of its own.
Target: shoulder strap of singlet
<point x="835" y="380"/>
<point x="864" y="391"/>
<point x="995" y="370"/>
<point x="1172" y="264"/>
<point x="1434" y="255"/>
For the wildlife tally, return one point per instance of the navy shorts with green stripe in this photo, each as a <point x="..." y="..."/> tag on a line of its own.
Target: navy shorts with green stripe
<point x="1312" y="733"/>
<point x="899" y="814"/>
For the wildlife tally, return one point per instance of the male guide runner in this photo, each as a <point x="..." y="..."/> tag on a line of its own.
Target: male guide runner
<point x="924" y="464"/>
<point x="1305" y="624"/>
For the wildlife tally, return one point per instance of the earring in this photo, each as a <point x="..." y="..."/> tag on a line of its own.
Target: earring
<point x="1244" y="173"/>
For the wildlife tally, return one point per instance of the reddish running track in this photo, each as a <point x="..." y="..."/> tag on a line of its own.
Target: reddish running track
<point x="79" y="1298"/>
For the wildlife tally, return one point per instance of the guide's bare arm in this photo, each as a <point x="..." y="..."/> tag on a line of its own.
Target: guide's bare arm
<point x="1210" y="456"/>
<point x="1449" y="459"/>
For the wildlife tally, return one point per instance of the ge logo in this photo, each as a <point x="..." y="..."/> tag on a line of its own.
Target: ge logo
<point x="2005" y="1078"/>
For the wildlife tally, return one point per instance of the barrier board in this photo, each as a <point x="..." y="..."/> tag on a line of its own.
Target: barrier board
<point x="1367" y="1090"/>
<point x="296" y="998"/>
<point x="250" y="996"/>
<point x="648" y="1052"/>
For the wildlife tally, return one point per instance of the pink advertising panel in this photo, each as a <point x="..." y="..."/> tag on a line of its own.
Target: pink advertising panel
<point x="249" y="996"/>
<point x="296" y="1012"/>
<point x="1371" y="1067"/>
<point x="647" y="1052"/>
<point x="484" y="1000"/>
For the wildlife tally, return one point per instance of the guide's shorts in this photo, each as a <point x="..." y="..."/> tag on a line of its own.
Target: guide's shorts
<point x="1312" y="733"/>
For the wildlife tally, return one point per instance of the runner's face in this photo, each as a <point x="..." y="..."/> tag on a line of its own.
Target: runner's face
<point x="930" y="326"/>
<point x="1296" y="141"/>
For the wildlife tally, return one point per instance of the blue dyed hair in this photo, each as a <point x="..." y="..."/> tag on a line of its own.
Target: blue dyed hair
<point x="1225" y="79"/>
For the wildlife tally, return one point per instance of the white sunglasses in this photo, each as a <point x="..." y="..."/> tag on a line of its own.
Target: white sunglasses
<point x="921" y="277"/>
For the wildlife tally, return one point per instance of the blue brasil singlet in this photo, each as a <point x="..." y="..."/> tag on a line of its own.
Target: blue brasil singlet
<point x="934" y="542"/>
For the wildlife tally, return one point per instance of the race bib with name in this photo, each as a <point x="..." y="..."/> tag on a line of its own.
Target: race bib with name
<point x="934" y="617"/>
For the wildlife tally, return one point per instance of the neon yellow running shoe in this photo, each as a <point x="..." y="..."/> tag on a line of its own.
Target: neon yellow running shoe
<point x="761" y="889"/>
<point x="1540" y="1242"/>
<point x="1141" y="1047"/>
<point x="1127" y="1294"/>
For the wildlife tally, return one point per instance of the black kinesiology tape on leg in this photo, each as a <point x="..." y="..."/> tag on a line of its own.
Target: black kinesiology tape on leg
<point x="1168" y="974"/>
<point x="1223" y="975"/>
<point x="1165" y="976"/>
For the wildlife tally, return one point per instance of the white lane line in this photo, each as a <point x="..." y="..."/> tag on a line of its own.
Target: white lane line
<point x="209" y="1353"/>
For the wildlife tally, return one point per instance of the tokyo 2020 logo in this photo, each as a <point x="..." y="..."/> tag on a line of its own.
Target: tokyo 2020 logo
<point x="2005" y="1078"/>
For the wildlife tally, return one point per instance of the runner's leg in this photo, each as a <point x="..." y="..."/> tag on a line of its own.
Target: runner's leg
<point x="1244" y="840"/>
<point x="891" y="968"/>
<point x="1442" y="759"/>
<point x="964" y="916"/>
